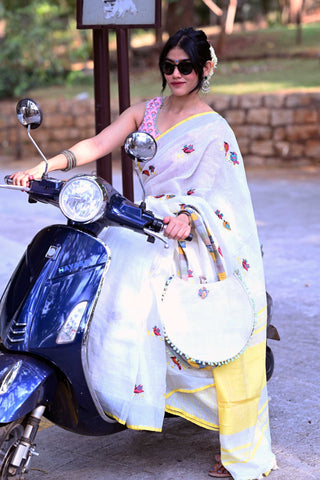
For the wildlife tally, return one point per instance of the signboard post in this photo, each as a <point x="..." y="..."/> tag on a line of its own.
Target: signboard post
<point x="120" y="15"/>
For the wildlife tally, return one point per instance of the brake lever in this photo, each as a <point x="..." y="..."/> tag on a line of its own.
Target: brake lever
<point x="152" y="234"/>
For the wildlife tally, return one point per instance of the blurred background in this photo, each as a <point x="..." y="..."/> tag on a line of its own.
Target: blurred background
<point x="264" y="47"/>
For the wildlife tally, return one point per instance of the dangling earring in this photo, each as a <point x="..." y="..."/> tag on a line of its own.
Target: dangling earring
<point x="205" y="87"/>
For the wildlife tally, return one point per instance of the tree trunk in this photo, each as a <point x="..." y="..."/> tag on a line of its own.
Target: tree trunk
<point x="180" y="13"/>
<point x="227" y="21"/>
<point x="295" y="16"/>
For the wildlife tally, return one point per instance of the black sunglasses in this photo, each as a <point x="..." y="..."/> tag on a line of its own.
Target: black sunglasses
<point x="185" y="67"/>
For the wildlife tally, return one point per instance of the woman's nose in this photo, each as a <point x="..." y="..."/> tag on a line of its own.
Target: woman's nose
<point x="176" y="72"/>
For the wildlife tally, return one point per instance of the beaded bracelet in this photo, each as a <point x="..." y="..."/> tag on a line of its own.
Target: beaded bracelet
<point x="71" y="160"/>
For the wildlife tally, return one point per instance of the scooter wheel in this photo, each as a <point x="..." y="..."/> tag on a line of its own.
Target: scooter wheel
<point x="9" y="434"/>
<point x="269" y="363"/>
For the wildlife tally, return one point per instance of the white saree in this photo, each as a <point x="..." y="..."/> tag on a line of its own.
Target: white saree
<point x="135" y="378"/>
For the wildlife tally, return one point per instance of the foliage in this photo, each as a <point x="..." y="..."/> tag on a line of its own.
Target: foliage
<point x="260" y="61"/>
<point x="41" y="40"/>
<point x="36" y="34"/>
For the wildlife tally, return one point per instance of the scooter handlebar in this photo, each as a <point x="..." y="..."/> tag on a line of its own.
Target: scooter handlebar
<point x="189" y="237"/>
<point x="8" y="180"/>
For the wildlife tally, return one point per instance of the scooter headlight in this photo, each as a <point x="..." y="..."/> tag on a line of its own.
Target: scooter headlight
<point x="82" y="199"/>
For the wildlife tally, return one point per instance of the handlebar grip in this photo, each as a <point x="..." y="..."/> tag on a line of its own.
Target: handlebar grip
<point x="8" y="180"/>
<point x="189" y="237"/>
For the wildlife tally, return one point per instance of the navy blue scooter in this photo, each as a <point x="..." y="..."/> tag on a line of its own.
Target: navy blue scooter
<point x="47" y="305"/>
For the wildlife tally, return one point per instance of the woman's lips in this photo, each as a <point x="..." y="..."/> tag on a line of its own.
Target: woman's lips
<point x="176" y="84"/>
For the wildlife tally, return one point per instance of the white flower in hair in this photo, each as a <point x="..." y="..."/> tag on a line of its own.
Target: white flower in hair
<point x="205" y="87"/>
<point x="214" y="61"/>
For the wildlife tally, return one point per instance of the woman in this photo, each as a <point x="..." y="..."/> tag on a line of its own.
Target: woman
<point x="198" y="163"/>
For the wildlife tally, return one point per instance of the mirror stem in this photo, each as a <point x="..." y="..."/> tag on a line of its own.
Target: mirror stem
<point x="136" y="169"/>
<point x="45" y="174"/>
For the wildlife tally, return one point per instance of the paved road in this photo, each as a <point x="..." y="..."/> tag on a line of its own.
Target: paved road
<point x="287" y="211"/>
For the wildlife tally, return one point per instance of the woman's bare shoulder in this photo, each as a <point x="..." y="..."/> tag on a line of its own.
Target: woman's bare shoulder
<point x="137" y="112"/>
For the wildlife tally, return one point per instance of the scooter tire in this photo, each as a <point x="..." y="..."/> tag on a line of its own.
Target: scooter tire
<point x="269" y="363"/>
<point x="10" y="433"/>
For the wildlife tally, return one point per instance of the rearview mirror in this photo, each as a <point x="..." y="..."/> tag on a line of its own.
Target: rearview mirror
<point x="29" y="113"/>
<point x="140" y="146"/>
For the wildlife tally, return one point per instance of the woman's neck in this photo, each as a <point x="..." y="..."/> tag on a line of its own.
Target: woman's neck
<point x="186" y="103"/>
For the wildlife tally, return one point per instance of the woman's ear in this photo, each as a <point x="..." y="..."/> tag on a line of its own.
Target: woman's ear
<point x="207" y="68"/>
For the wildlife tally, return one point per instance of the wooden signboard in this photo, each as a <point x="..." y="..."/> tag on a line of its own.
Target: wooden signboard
<point x="118" y="13"/>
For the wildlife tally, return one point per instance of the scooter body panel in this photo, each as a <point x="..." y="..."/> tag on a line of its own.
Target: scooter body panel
<point x="61" y="268"/>
<point x="25" y="383"/>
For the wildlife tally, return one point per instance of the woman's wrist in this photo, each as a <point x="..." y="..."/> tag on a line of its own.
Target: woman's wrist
<point x="185" y="214"/>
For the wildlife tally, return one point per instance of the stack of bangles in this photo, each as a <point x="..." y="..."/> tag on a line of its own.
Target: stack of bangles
<point x="185" y="212"/>
<point x="71" y="160"/>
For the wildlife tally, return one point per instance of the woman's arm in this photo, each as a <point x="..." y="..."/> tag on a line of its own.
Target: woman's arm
<point x="92" y="148"/>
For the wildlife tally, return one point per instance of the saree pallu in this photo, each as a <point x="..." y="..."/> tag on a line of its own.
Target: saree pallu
<point x="135" y="378"/>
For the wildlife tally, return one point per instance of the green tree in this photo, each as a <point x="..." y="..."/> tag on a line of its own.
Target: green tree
<point x="37" y="36"/>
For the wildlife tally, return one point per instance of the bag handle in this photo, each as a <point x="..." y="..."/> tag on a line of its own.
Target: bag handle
<point x="203" y="231"/>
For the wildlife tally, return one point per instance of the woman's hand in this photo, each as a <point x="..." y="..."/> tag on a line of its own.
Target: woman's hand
<point x="23" y="178"/>
<point x="178" y="228"/>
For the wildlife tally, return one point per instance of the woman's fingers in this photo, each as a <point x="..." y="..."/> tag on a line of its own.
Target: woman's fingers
<point x="23" y="179"/>
<point x="177" y="228"/>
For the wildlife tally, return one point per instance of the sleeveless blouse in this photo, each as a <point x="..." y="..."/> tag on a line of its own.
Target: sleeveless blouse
<point x="149" y="122"/>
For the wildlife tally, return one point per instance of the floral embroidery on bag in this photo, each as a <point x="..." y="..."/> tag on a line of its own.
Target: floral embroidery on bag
<point x="203" y="292"/>
<point x="226" y="148"/>
<point x="188" y="148"/>
<point x="191" y="191"/>
<point x="176" y="362"/>
<point x="138" y="389"/>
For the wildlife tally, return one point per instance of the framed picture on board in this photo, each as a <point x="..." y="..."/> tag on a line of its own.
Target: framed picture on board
<point x="118" y="13"/>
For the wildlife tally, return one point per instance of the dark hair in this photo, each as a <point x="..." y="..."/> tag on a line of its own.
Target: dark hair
<point x="197" y="47"/>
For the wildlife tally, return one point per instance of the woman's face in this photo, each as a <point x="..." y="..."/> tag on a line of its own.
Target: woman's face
<point x="179" y="83"/>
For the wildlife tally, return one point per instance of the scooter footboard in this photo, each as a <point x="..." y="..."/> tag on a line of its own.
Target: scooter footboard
<point x="25" y="383"/>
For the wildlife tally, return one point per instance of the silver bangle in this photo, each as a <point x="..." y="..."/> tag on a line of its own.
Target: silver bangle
<point x="71" y="160"/>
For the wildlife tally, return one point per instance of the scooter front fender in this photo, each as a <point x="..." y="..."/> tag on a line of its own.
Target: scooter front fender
<point x="25" y="383"/>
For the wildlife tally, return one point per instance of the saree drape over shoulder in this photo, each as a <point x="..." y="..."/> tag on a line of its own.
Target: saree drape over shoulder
<point x="135" y="378"/>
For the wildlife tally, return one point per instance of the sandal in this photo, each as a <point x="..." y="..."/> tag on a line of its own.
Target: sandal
<point x="218" y="470"/>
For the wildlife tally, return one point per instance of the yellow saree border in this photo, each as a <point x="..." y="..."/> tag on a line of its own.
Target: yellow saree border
<point x="191" y="418"/>
<point x="185" y="390"/>
<point x="133" y="427"/>
<point x="184" y="121"/>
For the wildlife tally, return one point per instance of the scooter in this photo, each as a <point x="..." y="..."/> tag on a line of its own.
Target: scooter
<point x="42" y="371"/>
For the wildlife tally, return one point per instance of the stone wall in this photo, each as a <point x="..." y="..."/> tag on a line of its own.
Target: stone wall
<point x="272" y="129"/>
<point x="275" y="129"/>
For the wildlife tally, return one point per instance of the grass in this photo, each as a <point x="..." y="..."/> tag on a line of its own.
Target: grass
<point x="269" y="75"/>
<point x="279" y="64"/>
<point x="273" y="41"/>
